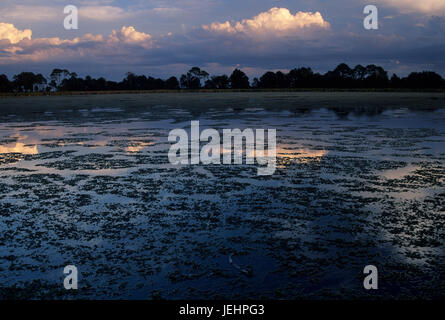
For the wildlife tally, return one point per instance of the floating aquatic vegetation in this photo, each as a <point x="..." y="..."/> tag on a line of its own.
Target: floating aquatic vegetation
<point x="100" y="193"/>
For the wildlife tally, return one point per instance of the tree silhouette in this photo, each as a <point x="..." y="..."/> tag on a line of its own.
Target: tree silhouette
<point x="5" y="84"/>
<point x="395" y="81"/>
<point x="343" y="71"/>
<point x="281" y="80"/>
<point x="376" y="77"/>
<point x="28" y="81"/>
<point x="57" y="76"/>
<point x="371" y="76"/>
<point x="197" y="72"/>
<point x="218" y="82"/>
<point x="268" y="80"/>
<point x="192" y="80"/>
<point x="425" y="79"/>
<point x="359" y="73"/>
<point x="256" y="83"/>
<point x="300" y="78"/>
<point x="171" y="83"/>
<point x="239" y="80"/>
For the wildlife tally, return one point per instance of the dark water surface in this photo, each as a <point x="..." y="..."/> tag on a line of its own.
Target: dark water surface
<point x="91" y="185"/>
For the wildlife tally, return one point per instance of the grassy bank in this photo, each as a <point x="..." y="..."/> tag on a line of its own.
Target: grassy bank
<point x="76" y="93"/>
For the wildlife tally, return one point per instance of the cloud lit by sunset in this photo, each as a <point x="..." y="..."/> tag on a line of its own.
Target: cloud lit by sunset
<point x="276" y="21"/>
<point x="11" y="33"/>
<point x="168" y="38"/>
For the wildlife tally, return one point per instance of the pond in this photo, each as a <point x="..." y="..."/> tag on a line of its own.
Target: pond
<point x="90" y="185"/>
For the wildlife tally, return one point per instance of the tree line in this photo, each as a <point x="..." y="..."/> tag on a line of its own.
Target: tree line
<point x="342" y="76"/>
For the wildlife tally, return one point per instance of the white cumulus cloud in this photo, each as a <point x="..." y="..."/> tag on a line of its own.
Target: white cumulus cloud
<point x="10" y="32"/>
<point x="21" y="47"/>
<point x="275" y="22"/>
<point x="130" y="35"/>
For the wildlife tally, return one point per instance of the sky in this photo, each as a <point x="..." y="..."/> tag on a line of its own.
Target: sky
<point x="164" y="38"/>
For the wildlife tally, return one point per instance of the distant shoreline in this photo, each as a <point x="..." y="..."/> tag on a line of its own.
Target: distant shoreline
<point x="81" y="93"/>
